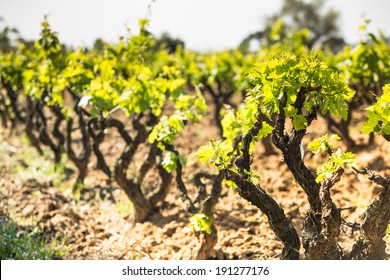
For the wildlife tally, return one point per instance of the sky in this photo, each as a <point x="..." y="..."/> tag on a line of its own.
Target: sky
<point x="202" y="24"/>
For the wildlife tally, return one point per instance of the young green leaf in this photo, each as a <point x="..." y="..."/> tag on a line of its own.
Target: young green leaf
<point x="322" y="144"/>
<point x="336" y="161"/>
<point x="378" y="115"/>
<point x="170" y="161"/>
<point x="216" y="153"/>
<point x="265" y="130"/>
<point x="299" y="122"/>
<point x="201" y="223"/>
<point x="230" y="184"/>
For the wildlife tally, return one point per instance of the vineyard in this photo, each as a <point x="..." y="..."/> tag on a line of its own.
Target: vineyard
<point x="141" y="151"/>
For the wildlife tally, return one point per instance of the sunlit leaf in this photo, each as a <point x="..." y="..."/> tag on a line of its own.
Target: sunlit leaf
<point x="201" y="223"/>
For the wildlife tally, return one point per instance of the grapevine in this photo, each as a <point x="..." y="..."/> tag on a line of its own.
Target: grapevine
<point x="141" y="98"/>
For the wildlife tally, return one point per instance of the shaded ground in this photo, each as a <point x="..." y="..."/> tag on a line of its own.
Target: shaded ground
<point x="98" y="224"/>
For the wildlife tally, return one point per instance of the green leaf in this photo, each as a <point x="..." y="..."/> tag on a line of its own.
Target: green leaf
<point x="200" y="104"/>
<point x="321" y="145"/>
<point x="341" y="158"/>
<point x="253" y="176"/>
<point x="265" y="130"/>
<point x="216" y="153"/>
<point x="336" y="161"/>
<point x="230" y="184"/>
<point x="205" y="153"/>
<point x="371" y="124"/>
<point x="170" y="161"/>
<point x="299" y="122"/>
<point x="386" y="128"/>
<point x="287" y="77"/>
<point x="323" y="173"/>
<point x="201" y="223"/>
<point x="378" y="115"/>
<point x="167" y="129"/>
<point x="176" y="122"/>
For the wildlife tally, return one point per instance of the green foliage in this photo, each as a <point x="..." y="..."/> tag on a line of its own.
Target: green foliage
<point x="77" y="74"/>
<point x="149" y="85"/>
<point x="252" y="176"/>
<point x="282" y="41"/>
<point x="239" y="122"/>
<point x="230" y="184"/>
<point x="12" y="66"/>
<point x="42" y="76"/>
<point x="216" y="153"/>
<point x="171" y="160"/>
<point x="201" y="223"/>
<point x="294" y="84"/>
<point x="323" y="144"/>
<point x="223" y="71"/>
<point x="337" y="160"/>
<point x="233" y="123"/>
<point x="266" y="129"/>
<point x="188" y="108"/>
<point x="48" y="44"/>
<point x="368" y="62"/>
<point x="288" y="77"/>
<point x="167" y="129"/>
<point x="379" y="115"/>
<point x="23" y="244"/>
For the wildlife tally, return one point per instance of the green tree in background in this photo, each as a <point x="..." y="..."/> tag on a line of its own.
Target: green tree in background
<point x="10" y="37"/>
<point x="321" y="23"/>
<point x="6" y="34"/>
